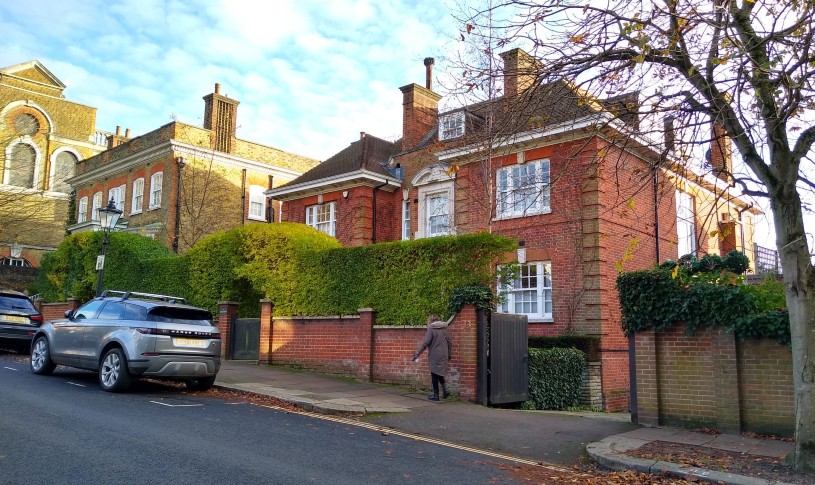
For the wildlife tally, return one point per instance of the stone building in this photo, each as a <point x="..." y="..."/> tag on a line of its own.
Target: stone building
<point x="42" y="138"/>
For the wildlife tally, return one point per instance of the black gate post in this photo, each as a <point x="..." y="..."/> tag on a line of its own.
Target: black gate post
<point x="482" y="360"/>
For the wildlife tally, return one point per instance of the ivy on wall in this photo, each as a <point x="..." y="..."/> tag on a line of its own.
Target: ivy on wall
<point x="709" y="292"/>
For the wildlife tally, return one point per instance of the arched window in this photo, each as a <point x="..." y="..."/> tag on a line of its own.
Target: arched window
<point x="26" y="124"/>
<point x="62" y="168"/>
<point x="20" y="165"/>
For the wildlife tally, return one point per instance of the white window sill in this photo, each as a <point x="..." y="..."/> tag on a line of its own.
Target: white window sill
<point x="133" y="213"/>
<point x="518" y="215"/>
<point x="540" y="320"/>
<point x="154" y="208"/>
<point x="257" y="218"/>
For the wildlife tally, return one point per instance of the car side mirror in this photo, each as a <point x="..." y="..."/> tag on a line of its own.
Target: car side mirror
<point x="69" y="314"/>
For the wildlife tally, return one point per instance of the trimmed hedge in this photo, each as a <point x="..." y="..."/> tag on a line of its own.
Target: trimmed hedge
<point x="588" y="344"/>
<point x="302" y="271"/>
<point x="404" y="281"/>
<point x="554" y="378"/>
<point x="70" y="271"/>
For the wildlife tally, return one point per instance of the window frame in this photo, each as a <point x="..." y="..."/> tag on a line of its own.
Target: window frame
<point x="82" y="210"/>
<point x="426" y="193"/>
<point x="27" y="141"/>
<point x="257" y="196"/>
<point x="543" y="270"/>
<point x="311" y="216"/>
<point x="118" y="196"/>
<point x="685" y="218"/>
<point x="96" y="204"/>
<point x="405" y="220"/>
<point x="507" y="187"/>
<point x="137" y="197"/>
<point x="52" y="176"/>
<point x="156" y="188"/>
<point x="451" y="125"/>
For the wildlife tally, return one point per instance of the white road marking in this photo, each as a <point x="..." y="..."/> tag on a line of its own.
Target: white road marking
<point x="11" y="368"/>
<point x="77" y="385"/>
<point x="177" y="405"/>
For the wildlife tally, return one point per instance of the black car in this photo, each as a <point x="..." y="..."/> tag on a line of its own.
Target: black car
<point x="19" y="319"/>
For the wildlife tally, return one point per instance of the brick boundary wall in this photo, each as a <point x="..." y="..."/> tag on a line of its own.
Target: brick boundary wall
<point x="54" y="311"/>
<point x="712" y="380"/>
<point x="355" y="346"/>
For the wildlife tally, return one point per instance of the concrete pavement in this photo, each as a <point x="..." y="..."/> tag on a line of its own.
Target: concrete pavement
<point x="554" y="437"/>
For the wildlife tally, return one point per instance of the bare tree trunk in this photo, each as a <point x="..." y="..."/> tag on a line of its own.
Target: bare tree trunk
<point x="799" y="283"/>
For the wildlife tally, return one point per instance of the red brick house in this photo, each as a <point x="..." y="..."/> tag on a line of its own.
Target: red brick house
<point x="550" y="166"/>
<point x="179" y="182"/>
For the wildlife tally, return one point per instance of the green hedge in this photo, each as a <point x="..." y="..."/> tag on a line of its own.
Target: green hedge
<point x="404" y="281"/>
<point x="588" y="344"/>
<point x="302" y="271"/>
<point x="554" y="378"/>
<point x="70" y="271"/>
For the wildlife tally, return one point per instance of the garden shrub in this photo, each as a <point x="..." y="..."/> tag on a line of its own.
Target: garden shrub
<point x="554" y="378"/>
<point x="479" y="295"/>
<point x="588" y="344"/>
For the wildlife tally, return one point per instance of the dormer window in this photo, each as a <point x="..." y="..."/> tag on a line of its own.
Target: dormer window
<point x="451" y="125"/>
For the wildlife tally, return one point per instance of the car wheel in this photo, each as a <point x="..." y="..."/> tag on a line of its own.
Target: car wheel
<point x="113" y="373"/>
<point x="40" y="361"/>
<point x="201" y="384"/>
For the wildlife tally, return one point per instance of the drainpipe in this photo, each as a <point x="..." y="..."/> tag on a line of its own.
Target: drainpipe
<point x="741" y="225"/>
<point x="243" y="196"/>
<point x="373" y="222"/>
<point x="269" y="202"/>
<point x="176" y="233"/>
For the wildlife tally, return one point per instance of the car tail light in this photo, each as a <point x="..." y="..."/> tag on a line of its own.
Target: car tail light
<point x="36" y="318"/>
<point x="178" y="333"/>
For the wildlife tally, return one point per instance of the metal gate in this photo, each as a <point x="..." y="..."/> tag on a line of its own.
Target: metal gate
<point x="507" y="371"/>
<point x="245" y="339"/>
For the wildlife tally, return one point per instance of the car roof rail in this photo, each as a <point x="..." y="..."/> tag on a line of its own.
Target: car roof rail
<point x="152" y="296"/>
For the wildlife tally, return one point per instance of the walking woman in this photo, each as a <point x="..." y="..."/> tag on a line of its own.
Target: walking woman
<point x="439" y="348"/>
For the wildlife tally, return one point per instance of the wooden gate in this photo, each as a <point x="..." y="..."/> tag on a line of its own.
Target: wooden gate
<point x="507" y="371"/>
<point x="245" y="339"/>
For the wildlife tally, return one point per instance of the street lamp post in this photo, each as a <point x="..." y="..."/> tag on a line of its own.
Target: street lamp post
<point x="108" y="217"/>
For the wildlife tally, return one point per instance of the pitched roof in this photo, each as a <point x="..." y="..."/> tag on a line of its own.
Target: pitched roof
<point x="368" y="153"/>
<point x="33" y="71"/>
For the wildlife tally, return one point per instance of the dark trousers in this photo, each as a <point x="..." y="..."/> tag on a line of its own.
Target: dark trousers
<point x="436" y="380"/>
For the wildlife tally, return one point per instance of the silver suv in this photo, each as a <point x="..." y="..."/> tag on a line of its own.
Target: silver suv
<point x="130" y="335"/>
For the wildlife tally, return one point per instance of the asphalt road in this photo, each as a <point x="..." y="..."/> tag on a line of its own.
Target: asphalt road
<point x="64" y="429"/>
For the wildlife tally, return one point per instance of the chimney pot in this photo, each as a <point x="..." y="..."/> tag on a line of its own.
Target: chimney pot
<point x="118" y="130"/>
<point x="361" y="135"/>
<point x="428" y="64"/>
<point x="217" y="88"/>
<point x="127" y="133"/>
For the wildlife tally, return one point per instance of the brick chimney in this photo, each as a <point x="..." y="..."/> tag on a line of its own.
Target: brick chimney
<point x="220" y="116"/>
<point x="721" y="152"/>
<point x="420" y="109"/>
<point x="520" y="72"/>
<point x="117" y="139"/>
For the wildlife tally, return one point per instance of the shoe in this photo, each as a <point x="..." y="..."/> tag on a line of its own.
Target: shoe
<point x="433" y="397"/>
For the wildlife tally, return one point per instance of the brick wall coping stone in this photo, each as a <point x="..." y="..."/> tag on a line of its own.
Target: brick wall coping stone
<point x="327" y="317"/>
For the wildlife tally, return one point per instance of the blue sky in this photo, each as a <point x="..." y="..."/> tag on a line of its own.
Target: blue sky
<point x="310" y="75"/>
